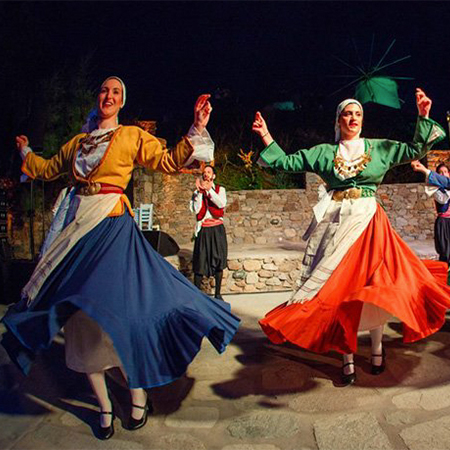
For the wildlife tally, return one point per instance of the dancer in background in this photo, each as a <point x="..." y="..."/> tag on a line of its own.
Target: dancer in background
<point x="439" y="188"/>
<point x="210" y="248"/>
<point x="121" y="303"/>
<point x="357" y="271"/>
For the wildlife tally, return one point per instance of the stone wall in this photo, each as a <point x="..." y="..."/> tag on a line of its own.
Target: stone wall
<point x="252" y="268"/>
<point x="410" y="210"/>
<point x="268" y="216"/>
<point x="436" y="157"/>
<point x="170" y="195"/>
<point x="251" y="217"/>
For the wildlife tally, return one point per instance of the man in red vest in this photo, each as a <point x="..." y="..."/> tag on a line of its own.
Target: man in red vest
<point x="210" y="248"/>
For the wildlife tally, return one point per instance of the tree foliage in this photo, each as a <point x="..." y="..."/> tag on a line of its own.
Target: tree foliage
<point x="69" y="98"/>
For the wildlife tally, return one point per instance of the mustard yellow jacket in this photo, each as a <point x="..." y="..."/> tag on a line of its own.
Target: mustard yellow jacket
<point x="129" y="146"/>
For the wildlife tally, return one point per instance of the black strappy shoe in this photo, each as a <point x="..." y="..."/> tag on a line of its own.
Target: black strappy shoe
<point x="350" y="378"/>
<point x="376" y="370"/>
<point x="105" y="433"/>
<point x="135" y="424"/>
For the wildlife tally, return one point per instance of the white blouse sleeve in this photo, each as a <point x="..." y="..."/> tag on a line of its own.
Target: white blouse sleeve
<point x="203" y="145"/>
<point x="24" y="152"/>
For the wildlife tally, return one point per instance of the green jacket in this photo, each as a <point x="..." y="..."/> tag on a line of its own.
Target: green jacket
<point x="384" y="155"/>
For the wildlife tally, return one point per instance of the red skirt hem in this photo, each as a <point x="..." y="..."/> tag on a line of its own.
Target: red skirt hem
<point x="380" y="269"/>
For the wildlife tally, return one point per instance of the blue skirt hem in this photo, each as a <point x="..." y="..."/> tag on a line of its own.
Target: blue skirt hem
<point x="155" y="317"/>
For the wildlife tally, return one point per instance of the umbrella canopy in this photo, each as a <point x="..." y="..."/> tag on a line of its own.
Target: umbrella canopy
<point x="381" y="90"/>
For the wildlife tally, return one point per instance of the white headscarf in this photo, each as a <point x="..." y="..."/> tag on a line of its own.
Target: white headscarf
<point x="339" y="109"/>
<point x="92" y="118"/>
<point x="124" y="90"/>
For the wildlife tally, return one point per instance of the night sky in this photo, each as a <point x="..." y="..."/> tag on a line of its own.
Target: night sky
<point x="169" y="52"/>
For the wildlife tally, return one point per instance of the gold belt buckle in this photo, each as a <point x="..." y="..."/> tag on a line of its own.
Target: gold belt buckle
<point x="90" y="189"/>
<point x="354" y="193"/>
<point x="351" y="193"/>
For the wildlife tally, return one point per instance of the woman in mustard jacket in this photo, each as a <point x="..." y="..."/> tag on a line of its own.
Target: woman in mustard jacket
<point x="121" y="303"/>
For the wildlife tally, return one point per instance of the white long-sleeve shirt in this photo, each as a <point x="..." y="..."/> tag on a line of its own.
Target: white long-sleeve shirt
<point x="218" y="198"/>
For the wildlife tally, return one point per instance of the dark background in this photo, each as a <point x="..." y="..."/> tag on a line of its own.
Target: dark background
<point x="258" y="52"/>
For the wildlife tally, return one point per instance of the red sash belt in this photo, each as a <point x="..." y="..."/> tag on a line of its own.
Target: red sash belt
<point x="98" y="188"/>
<point x="212" y="222"/>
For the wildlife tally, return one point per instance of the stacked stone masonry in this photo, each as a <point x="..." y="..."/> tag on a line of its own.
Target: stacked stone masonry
<point x="266" y="217"/>
<point x="252" y="268"/>
<point x="436" y="157"/>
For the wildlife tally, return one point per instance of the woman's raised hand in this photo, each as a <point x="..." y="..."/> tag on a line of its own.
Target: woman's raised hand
<point x="423" y="103"/>
<point x="202" y="112"/>
<point x="21" y="142"/>
<point x="259" y="125"/>
<point x="417" y="166"/>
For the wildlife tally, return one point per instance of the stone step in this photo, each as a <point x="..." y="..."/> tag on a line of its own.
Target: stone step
<point x="267" y="268"/>
<point x="424" y="249"/>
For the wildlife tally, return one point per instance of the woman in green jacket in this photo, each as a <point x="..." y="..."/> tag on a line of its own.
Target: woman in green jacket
<point x="357" y="271"/>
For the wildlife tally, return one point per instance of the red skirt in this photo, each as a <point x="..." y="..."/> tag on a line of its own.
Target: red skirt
<point x="380" y="269"/>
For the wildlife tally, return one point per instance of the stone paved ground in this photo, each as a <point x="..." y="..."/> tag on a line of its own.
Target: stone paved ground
<point x="255" y="396"/>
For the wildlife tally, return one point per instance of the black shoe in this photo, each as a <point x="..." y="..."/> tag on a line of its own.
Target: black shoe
<point x="350" y="378"/>
<point x="135" y="424"/>
<point x="105" y="433"/>
<point x="376" y="370"/>
<point x="218" y="297"/>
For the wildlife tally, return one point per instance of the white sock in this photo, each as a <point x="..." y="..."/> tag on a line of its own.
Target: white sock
<point x="377" y="346"/>
<point x="350" y="368"/>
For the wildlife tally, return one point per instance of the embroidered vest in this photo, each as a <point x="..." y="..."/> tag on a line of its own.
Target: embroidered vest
<point x="208" y="205"/>
<point x="440" y="208"/>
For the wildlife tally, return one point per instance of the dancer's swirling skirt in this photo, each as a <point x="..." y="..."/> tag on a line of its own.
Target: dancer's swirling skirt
<point x="155" y="317"/>
<point x="379" y="269"/>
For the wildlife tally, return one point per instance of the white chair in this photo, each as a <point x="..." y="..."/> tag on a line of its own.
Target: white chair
<point x="136" y="215"/>
<point x="145" y="219"/>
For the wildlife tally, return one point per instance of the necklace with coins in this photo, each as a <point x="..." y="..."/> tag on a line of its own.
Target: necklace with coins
<point x="350" y="168"/>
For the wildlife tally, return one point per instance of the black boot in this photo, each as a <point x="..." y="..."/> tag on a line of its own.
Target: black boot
<point x="218" y="277"/>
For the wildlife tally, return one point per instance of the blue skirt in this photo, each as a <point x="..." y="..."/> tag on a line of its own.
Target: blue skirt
<point x="155" y="317"/>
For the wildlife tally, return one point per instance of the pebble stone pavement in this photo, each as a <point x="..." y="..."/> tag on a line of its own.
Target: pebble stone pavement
<point x="255" y="396"/>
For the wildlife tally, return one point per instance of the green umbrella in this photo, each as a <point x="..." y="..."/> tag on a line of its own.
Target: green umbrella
<point x="371" y="85"/>
<point x="381" y="90"/>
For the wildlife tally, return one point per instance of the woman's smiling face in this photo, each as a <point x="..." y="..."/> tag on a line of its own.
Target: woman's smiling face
<point x="110" y="98"/>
